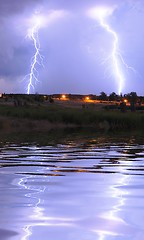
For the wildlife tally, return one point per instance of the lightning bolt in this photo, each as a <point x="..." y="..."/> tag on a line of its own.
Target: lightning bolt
<point x="117" y="60"/>
<point x="116" y="56"/>
<point x="36" y="22"/>
<point x="37" y="59"/>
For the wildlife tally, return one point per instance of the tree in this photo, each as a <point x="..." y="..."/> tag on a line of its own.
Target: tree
<point x="132" y="97"/>
<point x="113" y="96"/>
<point x="103" y="96"/>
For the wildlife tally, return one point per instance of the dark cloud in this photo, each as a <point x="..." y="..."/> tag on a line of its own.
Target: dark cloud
<point x="14" y="7"/>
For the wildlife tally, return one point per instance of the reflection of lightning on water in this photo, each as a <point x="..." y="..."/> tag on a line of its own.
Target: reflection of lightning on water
<point x="37" y="210"/>
<point x="100" y="14"/>
<point x="119" y="194"/>
<point x="37" y="59"/>
<point x="112" y="214"/>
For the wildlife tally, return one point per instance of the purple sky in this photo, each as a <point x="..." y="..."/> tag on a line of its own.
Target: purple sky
<point x="75" y="48"/>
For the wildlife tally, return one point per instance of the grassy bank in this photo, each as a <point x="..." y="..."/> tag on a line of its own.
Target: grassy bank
<point x="52" y="116"/>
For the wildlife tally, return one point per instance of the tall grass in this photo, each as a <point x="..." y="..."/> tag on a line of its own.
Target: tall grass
<point x="79" y="117"/>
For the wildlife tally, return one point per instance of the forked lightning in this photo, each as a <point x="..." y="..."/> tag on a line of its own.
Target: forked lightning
<point x="100" y="14"/>
<point x="37" y="59"/>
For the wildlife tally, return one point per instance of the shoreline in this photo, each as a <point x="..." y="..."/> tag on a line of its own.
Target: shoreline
<point x="42" y="132"/>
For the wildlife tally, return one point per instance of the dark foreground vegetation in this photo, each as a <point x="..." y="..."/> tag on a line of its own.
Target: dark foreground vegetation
<point x="20" y="113"/>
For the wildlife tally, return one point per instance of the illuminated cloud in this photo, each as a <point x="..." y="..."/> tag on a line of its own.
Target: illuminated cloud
<point x="101" y="12"/>
<point x="41" y="19"/>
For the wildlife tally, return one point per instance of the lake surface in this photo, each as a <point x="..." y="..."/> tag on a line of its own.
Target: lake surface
<point x="73" y="191"/>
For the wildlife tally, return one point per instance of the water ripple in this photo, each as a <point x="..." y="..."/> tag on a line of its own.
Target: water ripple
<point x="72" y="191"/>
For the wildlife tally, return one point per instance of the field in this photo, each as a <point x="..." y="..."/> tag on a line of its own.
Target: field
<point x="44" y="116"/>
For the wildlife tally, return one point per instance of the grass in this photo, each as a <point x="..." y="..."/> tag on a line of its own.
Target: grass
<point x="78" y="117"/>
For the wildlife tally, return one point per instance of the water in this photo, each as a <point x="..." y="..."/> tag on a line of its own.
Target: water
<point x="92" y="191"/>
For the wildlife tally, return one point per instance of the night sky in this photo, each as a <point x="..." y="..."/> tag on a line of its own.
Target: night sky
<point x="76" y="50"/>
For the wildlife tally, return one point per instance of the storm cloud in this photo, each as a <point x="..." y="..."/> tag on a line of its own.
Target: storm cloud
<point x="74" y="47"/>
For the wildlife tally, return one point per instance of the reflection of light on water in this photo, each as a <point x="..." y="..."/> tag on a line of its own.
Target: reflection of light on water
<point x="117" y="193"/>
<point x="38" y="212"/>
<point x="114" y="222"/>
<point x="28" y="233"/>
<point x="110" y="223"/>
<point x="102" y="234"/>
<point x="38" y="218"/>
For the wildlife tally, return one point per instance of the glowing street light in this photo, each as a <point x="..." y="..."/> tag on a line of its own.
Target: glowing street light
<point x="63" y="97"/>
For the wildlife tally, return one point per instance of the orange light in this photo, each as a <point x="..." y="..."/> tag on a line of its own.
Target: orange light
<point x="87" y="98"/>
<point x="125" y="100"/>
<point x="63" y="96"/>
